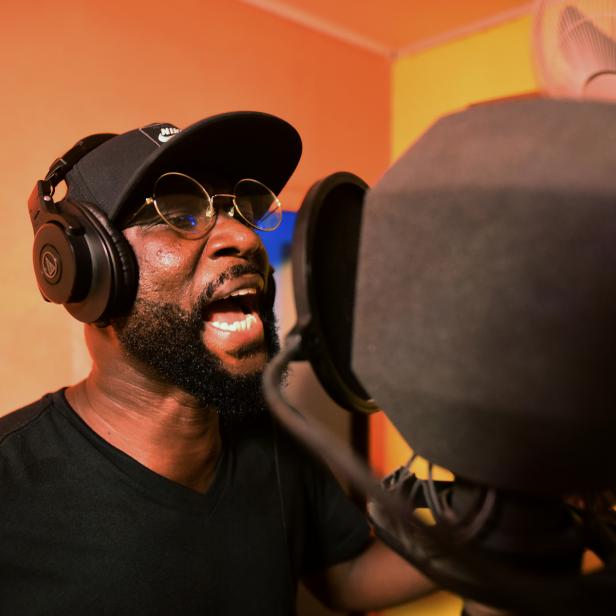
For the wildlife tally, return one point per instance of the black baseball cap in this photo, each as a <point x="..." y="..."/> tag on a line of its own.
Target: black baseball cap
<point x="120" y="173"/>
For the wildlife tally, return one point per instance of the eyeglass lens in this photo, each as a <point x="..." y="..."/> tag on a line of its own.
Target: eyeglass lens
<point x="257" y="204"/>
<point x="185" y="205"/>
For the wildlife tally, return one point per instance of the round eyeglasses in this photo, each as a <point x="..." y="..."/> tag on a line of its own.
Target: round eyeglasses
<point x="185" y="205"/>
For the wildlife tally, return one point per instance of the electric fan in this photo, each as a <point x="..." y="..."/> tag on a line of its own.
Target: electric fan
<point x="574" y="48"/>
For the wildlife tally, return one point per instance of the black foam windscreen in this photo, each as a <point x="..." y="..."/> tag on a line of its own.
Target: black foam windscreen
<point x="325" y="246"/>
<point x="485" y="313"/>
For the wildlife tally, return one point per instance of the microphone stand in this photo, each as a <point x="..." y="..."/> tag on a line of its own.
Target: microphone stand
<point x="499" y="548"/>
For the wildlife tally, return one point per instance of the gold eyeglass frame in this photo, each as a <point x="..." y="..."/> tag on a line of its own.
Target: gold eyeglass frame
<point x="210" y="211"/>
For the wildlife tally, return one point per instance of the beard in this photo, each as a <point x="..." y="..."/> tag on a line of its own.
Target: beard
<point x="169" y="340"/>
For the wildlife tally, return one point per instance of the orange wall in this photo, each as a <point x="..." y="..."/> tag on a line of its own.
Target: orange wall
<point x="72" y="68"/>
<point x="77" y="68"/>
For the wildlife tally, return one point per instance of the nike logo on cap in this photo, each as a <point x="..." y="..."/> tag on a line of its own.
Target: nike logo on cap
<point x="159" y="133"/>
<point x="167" y="132"/>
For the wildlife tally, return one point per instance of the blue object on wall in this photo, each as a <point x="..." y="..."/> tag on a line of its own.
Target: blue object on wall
<point x="278" y="243"/>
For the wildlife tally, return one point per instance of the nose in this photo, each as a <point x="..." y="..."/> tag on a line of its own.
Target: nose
<point x="232" y="238"/>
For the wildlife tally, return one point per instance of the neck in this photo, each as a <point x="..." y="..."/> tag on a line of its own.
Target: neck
<point x="158" y="425"/>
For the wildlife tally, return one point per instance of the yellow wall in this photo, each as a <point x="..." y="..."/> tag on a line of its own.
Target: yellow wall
<point x="438" y="81"/>
<point x="425" y="86"/>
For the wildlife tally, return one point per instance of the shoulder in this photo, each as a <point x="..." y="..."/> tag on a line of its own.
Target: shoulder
<point x="22" y="419"/>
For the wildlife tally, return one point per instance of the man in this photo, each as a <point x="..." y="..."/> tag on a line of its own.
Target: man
<point x="159" y="484"/>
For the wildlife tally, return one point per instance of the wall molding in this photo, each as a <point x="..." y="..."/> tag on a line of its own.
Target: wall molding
<point x="351" y="37"/>
<point x="464" y="31"/>
<point x="323" y="26"/>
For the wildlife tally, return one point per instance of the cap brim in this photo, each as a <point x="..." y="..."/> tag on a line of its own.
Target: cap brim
<point x="230" y="146"/>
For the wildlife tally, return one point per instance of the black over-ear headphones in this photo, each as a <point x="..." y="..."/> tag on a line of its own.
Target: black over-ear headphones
<point x="80" y="259"/>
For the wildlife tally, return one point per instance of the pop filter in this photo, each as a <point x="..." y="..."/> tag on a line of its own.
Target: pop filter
<point x="324" y="259"/>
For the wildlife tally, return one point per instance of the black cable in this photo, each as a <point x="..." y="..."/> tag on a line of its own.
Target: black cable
<point x="325" y="444"/>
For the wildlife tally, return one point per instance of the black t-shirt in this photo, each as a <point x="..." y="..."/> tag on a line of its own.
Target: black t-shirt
<point x="86" y="529"/>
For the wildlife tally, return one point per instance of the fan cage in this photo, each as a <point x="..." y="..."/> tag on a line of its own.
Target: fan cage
<point x="574" y="47"/>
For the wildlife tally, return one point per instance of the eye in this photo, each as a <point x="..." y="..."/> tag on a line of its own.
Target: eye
<point x="184" y="221"/>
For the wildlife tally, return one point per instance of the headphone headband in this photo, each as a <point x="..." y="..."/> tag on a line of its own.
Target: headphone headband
<point x="80" y="260"/>
<point x="61" y="166"/>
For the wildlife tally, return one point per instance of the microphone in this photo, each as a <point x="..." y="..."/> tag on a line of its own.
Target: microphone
<point x="472" y="293"/>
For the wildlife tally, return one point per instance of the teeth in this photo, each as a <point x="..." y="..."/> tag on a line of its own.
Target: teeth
<point x="241" y="292"/>
<point x="243" y="325"/>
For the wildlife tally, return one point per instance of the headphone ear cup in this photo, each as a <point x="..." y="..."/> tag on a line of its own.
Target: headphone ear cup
<point x="114" y="270"/>
<point x="84" y="263"/>
<point x="61" y="262"/>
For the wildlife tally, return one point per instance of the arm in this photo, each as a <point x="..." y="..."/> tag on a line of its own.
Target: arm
<point x="375" y="579"/>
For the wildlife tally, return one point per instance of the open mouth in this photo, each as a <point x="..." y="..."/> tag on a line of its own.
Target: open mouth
<point x="236" y="312"/>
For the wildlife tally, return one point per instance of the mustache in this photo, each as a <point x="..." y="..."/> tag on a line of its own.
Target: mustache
<point x="235" y="271"/>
